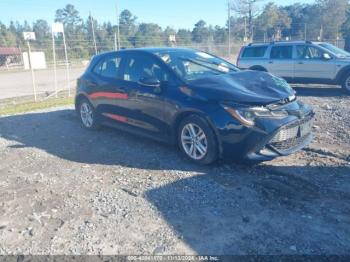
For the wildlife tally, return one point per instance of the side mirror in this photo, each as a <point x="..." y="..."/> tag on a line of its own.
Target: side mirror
<point x="326" y="56"/>
<point x="149" y="82"/>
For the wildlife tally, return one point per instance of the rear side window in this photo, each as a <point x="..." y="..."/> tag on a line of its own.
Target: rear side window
<point x="108" y="67"/>
<point x="281" y="52"/>
<point x="254" y="51"/>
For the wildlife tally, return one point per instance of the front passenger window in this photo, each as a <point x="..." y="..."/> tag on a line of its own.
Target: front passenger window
<point x="140" y="67"/>
<point x="309" y="52"/>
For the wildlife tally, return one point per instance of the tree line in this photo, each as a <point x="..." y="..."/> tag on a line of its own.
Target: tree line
<point x="250" y="20"/>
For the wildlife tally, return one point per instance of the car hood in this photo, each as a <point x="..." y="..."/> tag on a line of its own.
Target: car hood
<point x="345" y="60"/>
<point x="248" y="87"/>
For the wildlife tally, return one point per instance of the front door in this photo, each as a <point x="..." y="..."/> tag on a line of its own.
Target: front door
<point x="145" y="103"/>
<point x="311" y="64"/>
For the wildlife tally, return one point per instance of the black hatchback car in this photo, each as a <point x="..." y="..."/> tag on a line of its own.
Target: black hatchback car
<point x="201" y="102"/>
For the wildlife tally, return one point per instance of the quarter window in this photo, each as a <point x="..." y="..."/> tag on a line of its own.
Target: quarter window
<point x="281" y="52"/>
<point x="256" y="51"/>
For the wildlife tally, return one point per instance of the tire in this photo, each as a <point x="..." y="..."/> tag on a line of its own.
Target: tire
<point x="346" y="83"/>
<point x="87" y="115"/>
<point x="197" y="140"/>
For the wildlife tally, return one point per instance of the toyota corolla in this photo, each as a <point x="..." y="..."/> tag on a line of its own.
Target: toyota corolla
<point x="202" y="103"/>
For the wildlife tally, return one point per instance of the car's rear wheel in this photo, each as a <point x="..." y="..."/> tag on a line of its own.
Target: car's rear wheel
<point x="346" y="84"/>
<point x="197" y="140"/>
<point x="88" y="116"/>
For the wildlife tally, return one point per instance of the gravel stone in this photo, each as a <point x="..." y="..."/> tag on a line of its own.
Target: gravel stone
<point x="71" y="191"/>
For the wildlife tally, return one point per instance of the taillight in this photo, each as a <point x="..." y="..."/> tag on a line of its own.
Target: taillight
<point x="239" y="55"/>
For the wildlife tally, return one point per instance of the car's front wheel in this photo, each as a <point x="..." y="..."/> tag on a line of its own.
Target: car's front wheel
<point x="197" y="140"/>
<point x="88" y="116"/>
<point x="346" y="84"/>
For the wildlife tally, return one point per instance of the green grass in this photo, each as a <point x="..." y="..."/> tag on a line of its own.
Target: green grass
<point x="11" y="108"/>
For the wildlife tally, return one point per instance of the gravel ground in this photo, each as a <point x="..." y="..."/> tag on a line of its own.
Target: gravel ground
<point x="64" y="190"/>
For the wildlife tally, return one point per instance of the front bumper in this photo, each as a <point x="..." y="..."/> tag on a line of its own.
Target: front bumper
<point x="257" y="145"/>
<point x="269" y="152"/>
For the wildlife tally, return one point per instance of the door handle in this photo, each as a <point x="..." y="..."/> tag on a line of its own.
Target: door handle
<point x="301" y="63"/>
<point x="91" y="83"/>
<point x="270" y="62"/>
<point x="122" y="90"/>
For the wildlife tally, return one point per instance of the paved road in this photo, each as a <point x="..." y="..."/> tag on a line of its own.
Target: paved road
<point x="16" y="84"/>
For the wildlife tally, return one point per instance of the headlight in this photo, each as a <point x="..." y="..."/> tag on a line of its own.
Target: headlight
<point x="248" y="115"/>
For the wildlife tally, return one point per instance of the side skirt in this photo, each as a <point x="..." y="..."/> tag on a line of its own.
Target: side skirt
<point x="125" y="128"/>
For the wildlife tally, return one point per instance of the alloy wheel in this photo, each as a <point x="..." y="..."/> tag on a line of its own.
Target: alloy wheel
<point x="194" y="141"/>
<point x="87" y="114"/>
<point x="347" y="83"/>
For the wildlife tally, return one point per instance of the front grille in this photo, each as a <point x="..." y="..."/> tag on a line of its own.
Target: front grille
<point x="286" y="134"/>
<point x="288" y="144"/>
<point x="292" y="135"/>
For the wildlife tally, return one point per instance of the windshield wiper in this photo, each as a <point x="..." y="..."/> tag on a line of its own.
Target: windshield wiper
<point x="217" y="64"/>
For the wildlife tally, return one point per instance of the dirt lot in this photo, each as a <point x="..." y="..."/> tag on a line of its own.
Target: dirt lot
<point x="64" y="190"/>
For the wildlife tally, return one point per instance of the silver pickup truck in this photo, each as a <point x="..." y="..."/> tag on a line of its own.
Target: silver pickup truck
<point x="299" y="62"/>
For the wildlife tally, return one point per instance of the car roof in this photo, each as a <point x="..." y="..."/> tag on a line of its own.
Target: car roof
<point x="257" y="44"/>
<point x="150" y="50"/>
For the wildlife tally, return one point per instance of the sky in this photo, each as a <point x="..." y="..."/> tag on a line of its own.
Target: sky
<point x="174" y="13"/>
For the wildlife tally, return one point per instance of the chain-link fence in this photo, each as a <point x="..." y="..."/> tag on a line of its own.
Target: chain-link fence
<point x="16" y="77"/>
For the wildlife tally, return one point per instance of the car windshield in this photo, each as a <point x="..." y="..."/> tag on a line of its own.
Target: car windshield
<point x="335" y="50"/>
<point x="191" y="64"/>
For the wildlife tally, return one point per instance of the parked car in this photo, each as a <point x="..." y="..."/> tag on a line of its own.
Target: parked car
<point x="203" y="103"/>
<point x="299" y="62"/>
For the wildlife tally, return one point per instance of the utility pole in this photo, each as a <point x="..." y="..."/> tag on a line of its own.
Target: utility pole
<point x="32" y="70"/>
<point x="245" y="29"/>
<point x="321" y="33"/>
<point x="54" y="61"/>
<point x="229" y="28"/>
<point x="67" y="64"/>
<point x="305" y="32"/>
<point x="28" y="36"/>
<point x="337" y="35"/>
<point x="93" y="32"/>
<point x="118" y="27"/>
<point x="115" y="42"/>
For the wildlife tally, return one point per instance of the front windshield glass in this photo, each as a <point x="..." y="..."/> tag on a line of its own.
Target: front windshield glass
<point x="335" y="50"/>
<point x="191" y="65"/>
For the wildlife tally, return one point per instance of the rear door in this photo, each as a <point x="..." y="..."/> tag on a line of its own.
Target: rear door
<point x="108" y="93"/>
<point x="311" y="65"/>
<point x="280" y="62"/>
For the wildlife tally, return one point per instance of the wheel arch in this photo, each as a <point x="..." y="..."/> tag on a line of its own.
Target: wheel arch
<point x="258" y="68"/>
<point x="342" y="73"/>
<point x="182" y="115"/>
<point x="79" y="98"/>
